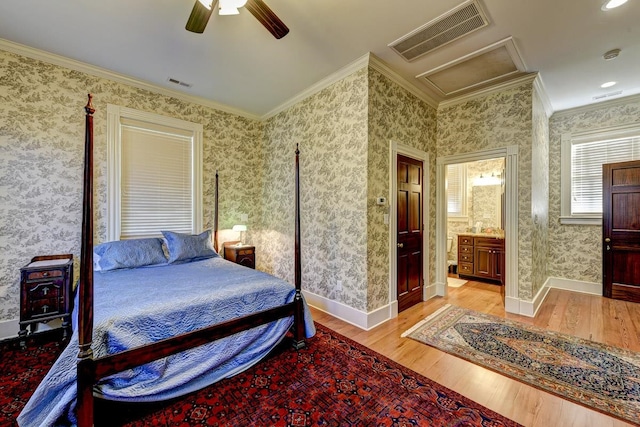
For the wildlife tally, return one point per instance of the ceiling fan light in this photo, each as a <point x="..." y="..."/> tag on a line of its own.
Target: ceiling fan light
<point x="228" y="7"/>
<point x="206" y="3"/>
<point x="611" y="4"/>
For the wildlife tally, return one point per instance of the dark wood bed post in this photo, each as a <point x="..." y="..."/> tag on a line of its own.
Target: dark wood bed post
<point x="86" y="366"/>
<point x="298" y="324"/>
<point x="215" y="215"/>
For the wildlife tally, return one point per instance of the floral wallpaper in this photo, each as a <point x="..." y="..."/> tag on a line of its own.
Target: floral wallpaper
<point x="539" y="194"/>
<point x="41" y="156"/>
<point x="497" y="120"/>
<point x="331" y="128"/>
<point x="394" y="114"/>
<point x="575" y="251"/>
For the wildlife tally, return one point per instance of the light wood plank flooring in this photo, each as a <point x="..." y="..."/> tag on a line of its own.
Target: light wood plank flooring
<point x="592" y="317"/>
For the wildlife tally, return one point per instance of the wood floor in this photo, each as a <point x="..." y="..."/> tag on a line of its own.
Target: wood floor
<point x="592" y="317"/>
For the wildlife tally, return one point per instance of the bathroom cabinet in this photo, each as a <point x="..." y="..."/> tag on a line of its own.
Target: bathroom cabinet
<point x="481" y="257"/>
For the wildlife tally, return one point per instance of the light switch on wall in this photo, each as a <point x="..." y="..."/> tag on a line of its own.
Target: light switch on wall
<point x="244" y="217"/>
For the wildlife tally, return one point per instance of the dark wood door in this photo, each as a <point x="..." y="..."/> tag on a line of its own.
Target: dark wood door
<point x="483" y="262"/>
<point x="621" y="230"/>
<point x="409" y="239"/>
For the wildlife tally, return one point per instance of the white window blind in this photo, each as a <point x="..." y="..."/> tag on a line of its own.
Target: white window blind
<point x="456" y="190"/>
<point x="587" y="159"/>
<point x="156" y="183"/>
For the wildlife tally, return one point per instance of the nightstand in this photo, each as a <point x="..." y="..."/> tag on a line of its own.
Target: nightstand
<point x="46" y="292"/>
<point x="243" y="255"/>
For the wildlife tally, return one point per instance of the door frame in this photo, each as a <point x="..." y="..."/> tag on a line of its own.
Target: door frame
<point x="396" y="148"/>
<point x="510" y="153"/>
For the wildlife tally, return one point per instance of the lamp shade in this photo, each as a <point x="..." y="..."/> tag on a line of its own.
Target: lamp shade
<point x="239" y="227"/>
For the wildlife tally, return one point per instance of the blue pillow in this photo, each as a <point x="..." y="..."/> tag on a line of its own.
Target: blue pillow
<point x="128" y="254"/>
<point x="188" y="247"/>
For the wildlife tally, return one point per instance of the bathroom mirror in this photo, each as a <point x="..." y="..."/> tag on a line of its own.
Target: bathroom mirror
<point x="487" y="205"/>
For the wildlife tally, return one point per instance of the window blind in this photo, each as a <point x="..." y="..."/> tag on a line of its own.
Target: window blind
<point x="456" y="190"/>
<point x="587" y="159"/>
<point x="156" y="190"/>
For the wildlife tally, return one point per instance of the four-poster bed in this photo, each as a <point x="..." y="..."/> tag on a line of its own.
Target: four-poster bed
<point x="225" y="331"/>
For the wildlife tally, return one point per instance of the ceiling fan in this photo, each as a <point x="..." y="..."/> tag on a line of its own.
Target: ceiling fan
<point x="202" y="10"/>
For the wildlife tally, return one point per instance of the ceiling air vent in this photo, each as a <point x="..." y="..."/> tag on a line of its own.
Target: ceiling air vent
<point x="607" y="95"/>
<point x="178" y="82"/>
<point x="458" y="22"/>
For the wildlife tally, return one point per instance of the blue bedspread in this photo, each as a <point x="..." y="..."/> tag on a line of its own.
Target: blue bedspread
<point x="133" y="307"/>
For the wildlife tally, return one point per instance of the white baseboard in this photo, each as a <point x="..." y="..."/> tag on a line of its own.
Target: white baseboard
<point x="441" y="288"/>
<point x="530" y="308"/>
<point x="430" y="291"/>
<point x="9" y="328"/>
<point x="575" y="285"/>
<point x="349" y="314"/>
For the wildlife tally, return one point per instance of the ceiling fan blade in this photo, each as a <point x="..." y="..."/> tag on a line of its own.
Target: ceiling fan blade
<point x="199" y="17"/>
<point x="267" y="18"/>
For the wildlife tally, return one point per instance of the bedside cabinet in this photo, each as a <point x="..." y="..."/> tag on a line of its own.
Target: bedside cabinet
<point x="46" y="292"/>
<point x="243" y="255"/>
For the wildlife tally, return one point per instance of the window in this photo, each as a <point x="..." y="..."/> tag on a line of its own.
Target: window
<point x="154" y="172"/>
<point x="582" y="158"/>
<point x="456" y="187"/>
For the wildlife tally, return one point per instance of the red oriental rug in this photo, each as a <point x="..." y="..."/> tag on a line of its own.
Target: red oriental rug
<point x="332" y="382"/>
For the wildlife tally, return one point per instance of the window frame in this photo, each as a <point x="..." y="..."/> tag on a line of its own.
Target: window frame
<point x="463" y="216"/>
<point x="115" y="117"/>
<point x="567" y="141"/>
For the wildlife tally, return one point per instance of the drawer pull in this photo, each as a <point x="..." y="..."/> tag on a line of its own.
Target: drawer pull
<point x="45" y="308"/>
<point x="45" y="290"/>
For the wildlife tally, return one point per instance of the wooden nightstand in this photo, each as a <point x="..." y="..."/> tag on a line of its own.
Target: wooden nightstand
<point x="243" y="255"/>
<point x="46" y="292"/>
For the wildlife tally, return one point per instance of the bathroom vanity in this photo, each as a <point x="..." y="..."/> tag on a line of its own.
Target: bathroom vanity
<point x="481" y="255"/>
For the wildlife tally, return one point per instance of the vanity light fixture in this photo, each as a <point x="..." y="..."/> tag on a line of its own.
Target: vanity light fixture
<point x="607" y="84"/>
<point x="612" y="4"/>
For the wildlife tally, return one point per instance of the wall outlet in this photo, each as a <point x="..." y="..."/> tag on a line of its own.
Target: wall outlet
<point x="339" y="285"/>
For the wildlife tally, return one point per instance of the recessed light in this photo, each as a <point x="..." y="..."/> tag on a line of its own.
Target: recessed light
<point x="612" y="4"/>
<point x="607" y="84"/>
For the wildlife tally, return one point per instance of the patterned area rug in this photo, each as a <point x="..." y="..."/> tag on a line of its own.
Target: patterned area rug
<point x="599" y="376"/>
<point x="332" y="382"/>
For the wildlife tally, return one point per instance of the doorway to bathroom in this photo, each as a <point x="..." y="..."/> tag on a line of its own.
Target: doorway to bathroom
<point x="493" y="222"/>
<point x="475" y="225"/>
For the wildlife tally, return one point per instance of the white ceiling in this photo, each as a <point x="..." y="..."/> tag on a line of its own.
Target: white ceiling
<point x="237" y="63"/>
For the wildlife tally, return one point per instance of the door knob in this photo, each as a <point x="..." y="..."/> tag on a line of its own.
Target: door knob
<point x="607" y="240"/>
<point x="401" y="245"/>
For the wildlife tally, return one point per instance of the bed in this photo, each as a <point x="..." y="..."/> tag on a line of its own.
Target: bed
<point x="180" y="335"/>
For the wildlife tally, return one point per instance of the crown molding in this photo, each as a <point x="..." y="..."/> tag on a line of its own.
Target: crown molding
<point x="343" y="72"/>
<point x="597" y="106"/>
<point x="518" y="81"/>
<point x="384" y="68"/>
<point x="93" y="70"/>
<point x="538" y="84"/>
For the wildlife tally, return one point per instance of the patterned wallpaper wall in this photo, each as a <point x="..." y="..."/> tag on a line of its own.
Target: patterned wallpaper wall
<point x="539" y="195"/>
<point x="331" y="128"/>
<point x="575" y="251"/>
<point x="41" y="155"/>
<point x="497" y="120"/>
<point x="394" y="114"/>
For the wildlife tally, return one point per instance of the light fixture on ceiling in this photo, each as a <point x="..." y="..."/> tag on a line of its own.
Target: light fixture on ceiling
<point x="611" y="54"/>
<point x="225" y="7"/>
<point x="230" y="7"/>
<point x="612" y="4"/>
<point x="607" y="84"/>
